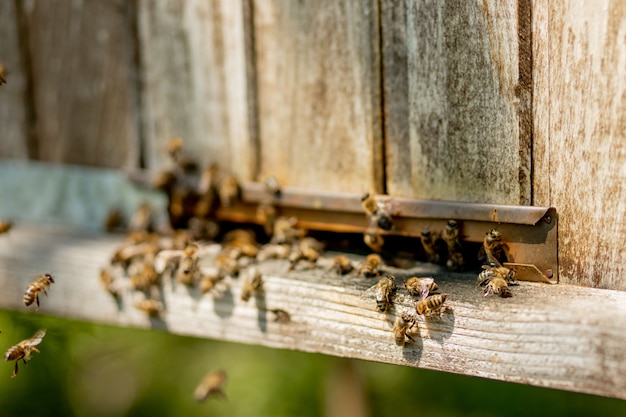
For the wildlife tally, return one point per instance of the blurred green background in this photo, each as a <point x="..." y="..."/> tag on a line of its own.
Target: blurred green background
<point x="93" y="370"/>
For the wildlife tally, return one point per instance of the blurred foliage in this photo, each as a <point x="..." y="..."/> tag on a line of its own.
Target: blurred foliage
<point x="86" y="369"/>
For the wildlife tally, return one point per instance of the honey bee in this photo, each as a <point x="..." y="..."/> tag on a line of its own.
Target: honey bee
<point x="3" y="74"/>
<point x="420" y="286"/>
<point x="373" y="239"/>
<point x="493" y="248"/>
<point x="274" y="251"/>
<point x="452" y="237"/>
<point x="370" y="266"/>
<point x="285" y="230"/>
<point x="114" y="220"/>
<point x="429" y="243"/>
<point x="108" y="283"/>
<point x="175" y="148"/>
<point x="404" y="329"/>
<point x="266" y="215"/>
<point x="308" y="250"/>
<point x="5" y="226"/>
<point x="342" y="265"/>
<point x="499" y="287"/>
<point x="209" y="281"/>
<point x="23" y="350"/>
<point x="146" y="277"/>
<point x="226" y="264"/>
<point x="252" y="284"/>
<point x="228" y="190"/>
<point x="188" y="265"/>
<point x="384" y="290"/>
<point x="495" y="270"/>
<point x="153" y="308"/>
<point x="40" y="285"/>
<point x="211" y="386"/>
<point x="377" y="212"/>
<point x="142" y="219"/>
<point x="431" y="305"/>
<point x="281" y="316"/>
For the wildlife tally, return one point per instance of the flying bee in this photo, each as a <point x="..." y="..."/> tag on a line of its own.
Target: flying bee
<point x="281" y="316"/>
<point x="404" y="329"/>
<point x="452" y="237"/>
<point x="493" y="271"/>
<point x="493" y="248"/>
<point x="153" y="308"/>
<point x="273" y="251"/>
<point x="499" y="287"/>
<point x="5" y="226"/>
<point x="23" y="350"/>
<point x="211" y="386"/>
<point x="342" y="265"/>
<point x="40" y="285"/>
<point x="420" y="286"/>
<point x="252" y="284"/>
<point x="431" y="305"/>
<point x="384" y="290"/>
<point x="431" y="247"/>
<point x="3" y="74"/>
<point x="370" y="266"/>
<point x="378" y="212"/>
<point x="188" y="265"/>
<point x="373" y="239"/>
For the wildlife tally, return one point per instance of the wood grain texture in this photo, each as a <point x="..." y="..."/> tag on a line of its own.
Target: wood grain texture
<point x="83" y="82"/>
<point x="463" y="139"/>
<point x="194" y="82"/>
<point x="319" y="93"/>
<point x="561" y="336"/>
<point x="581" y="154"/>
<point x="13" y="101"/>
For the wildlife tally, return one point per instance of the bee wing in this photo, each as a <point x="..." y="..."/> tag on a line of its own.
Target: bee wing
<point x="36" y="339"/>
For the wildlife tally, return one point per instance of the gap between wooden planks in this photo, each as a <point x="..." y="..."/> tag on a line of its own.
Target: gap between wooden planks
<point x="559" y="336"/>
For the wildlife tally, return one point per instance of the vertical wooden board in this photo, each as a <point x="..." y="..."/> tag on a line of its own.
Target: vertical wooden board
<point x="194" y="82"/>
<point x="464" y="140"/>
<point x="83" y="81"/>
<point x="13" y="104"/>
<point x="586" y="165"/>
<point x="319" y="93"/>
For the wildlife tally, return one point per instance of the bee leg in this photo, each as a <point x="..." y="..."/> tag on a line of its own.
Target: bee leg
<point x="35" y="349"/>
<point x="15" y="369"/>
<point x="37" y="300"/>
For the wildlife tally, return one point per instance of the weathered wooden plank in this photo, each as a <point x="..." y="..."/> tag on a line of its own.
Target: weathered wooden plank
<point x="463" y="139"/>
<point x="565" y="337"/>
<point x="84" y="81"/>
<point x="194" y="82"/>
<point x="319" y="93"/>
<point x="582" y="152"/>
<point x="13" y="99"/>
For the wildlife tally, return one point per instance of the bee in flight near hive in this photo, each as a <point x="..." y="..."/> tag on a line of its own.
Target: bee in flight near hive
<point x="211" y="386"/>
<point x="377" y="211"/>
<point x="342" y="265"/>
<point x="383" y="291"/>
<point x="404" y="329"/>
<point x="252" y="284"/>
<point x="370" y="266"/>
<point x="40" y="285"/>
<point x="420" y="286"/>
<point x="23" y="350"/>
<point x="431" y="305"/>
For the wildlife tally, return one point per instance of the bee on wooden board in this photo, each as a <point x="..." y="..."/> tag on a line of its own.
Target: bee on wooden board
<point x="452" y="237"/>
<point x="342" y="265"/>
<point x="373" y="239"/>
<point x="384" y="290"/>
<point x="153" y="308"/>
<point x="38" y="286"/>
<point x="212" y="385"/>
<point x="378" y="212"/>
<point x="420" y="286"/>
<point x="5" y="226"/>
<point x="286" y="230"/>
<point x="281" y="316"/>
<point x="404" y="329"/>
<point x="188" y="265"/>
<point x="23" y="350"/>
<point x="497" y="286"/>
<point x="3" y="74"/>
<point x="429" y="241"/>
<point x="226" y="264"/>
<point x="370" y="266"/>
<point x="273" y="251"/>
<point x="493" y="248"/>
<point x="252" y="284"/>
<point x="108" y="282"/>
<point x="431" y="305"/>
<point x="308" y="250"/>
<point x="209" y="281"/>
<point x="495" y="270"/>
<point x="146" y="277"/>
